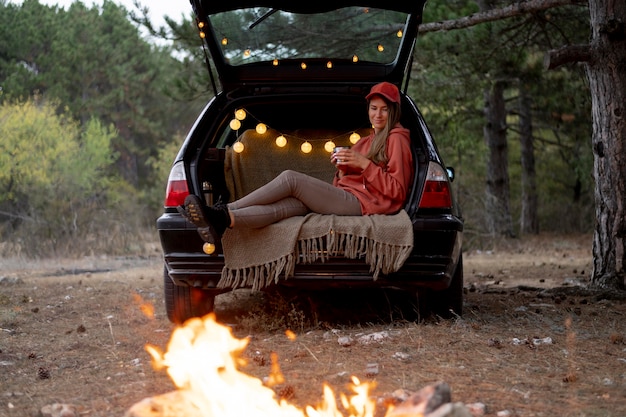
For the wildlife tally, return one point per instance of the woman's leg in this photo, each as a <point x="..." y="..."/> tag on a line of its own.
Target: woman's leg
<point x="291" y="194"/>
<point x="264" y="214"/>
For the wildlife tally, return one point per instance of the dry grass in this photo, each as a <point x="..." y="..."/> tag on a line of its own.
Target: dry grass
<point x="488" y="356"/>
<point x="75" y="333"/>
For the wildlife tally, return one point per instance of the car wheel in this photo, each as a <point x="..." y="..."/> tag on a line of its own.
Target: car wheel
<point x="183" y="303"/>
<point x="446" y="303"/>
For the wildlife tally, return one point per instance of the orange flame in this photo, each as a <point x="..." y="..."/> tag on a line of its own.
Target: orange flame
<point x="146" y="308"/>
<point x="202" y="359"/>
<point x="276" y="377"/>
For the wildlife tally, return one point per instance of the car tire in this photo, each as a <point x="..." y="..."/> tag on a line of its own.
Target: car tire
<point x="183" y="303"/>
<point x="446" y="303"/>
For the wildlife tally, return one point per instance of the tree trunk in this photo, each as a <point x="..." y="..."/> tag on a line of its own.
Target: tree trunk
<point x="529" y="223"/>
<point x="498" y="193"/>
<point x="607" y="81"/>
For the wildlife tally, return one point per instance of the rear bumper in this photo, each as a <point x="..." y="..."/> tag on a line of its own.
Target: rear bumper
<point x="437" y="248"/>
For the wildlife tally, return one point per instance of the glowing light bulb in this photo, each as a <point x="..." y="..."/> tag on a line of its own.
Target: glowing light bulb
<point x="399" y="33"/>
<point x="246" y="53"/>
<point x="275" y="62"/>
<point x="240" y="114"/>
<point x="235" y="124"/>
<point x="306" y="147"/>
<point x="380" y="47"/>
<point x="224" y="41"/>
<point x="329" y="146"/>
<point x="208" y="248"/>
<point x="329" y="65"/>
<point x="238" y="147"/>
<point x="261" y="128"/>
<point x="303" y="66"/>
<point x="281" y="141"/>
<point x="200" y="25"/>
<point x="202" y="35"/>
<point x="354" y="138"/>
<point x="355" y="58"/>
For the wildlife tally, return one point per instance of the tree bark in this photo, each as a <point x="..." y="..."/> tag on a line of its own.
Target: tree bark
<point x="606" y="71"/>
<point x="498" y="193"/>
<point x="529" y="223"/>
<point x="566" y="54"/>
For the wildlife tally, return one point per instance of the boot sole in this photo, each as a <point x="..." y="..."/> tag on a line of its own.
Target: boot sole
<point x="192" y="211"/>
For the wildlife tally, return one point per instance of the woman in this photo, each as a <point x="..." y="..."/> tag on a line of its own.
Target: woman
<point x="373" y="177"/>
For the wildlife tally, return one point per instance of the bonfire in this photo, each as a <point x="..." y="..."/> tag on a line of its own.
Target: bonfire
<point x="203" y="360"/>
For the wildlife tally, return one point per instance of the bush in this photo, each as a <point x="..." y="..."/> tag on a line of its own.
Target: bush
<point x="58" y="191"/>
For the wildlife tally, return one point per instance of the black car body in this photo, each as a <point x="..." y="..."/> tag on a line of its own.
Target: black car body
<point x="310" y="76"/>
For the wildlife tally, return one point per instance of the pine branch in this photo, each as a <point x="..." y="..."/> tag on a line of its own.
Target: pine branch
<point x="516" y="9"/>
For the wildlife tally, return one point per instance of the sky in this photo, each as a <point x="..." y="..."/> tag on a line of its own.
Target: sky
<point x="157" y="8"/>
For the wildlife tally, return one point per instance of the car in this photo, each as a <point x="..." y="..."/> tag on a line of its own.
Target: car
<point x="289" y="82"/>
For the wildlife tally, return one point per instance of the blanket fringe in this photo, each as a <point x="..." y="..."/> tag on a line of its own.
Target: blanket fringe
<point x="311" y="250"/>
<point x="381" y="257"/>
<point x="259" y="276"/>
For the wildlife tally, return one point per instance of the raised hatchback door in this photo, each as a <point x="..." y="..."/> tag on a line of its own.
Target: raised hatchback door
<point x="265" y="42"/>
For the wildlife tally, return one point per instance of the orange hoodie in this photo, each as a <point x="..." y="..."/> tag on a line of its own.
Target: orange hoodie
<point x="382" y="189"/>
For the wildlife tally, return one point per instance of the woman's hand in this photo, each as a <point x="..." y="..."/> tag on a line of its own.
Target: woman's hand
<point x="348" y="158"/>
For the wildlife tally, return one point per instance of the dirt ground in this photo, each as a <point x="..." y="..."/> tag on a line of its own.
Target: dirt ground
<point x="530" y="342"/>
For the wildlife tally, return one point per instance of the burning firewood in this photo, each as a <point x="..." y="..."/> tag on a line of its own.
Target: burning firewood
<point x="203" y="359"/>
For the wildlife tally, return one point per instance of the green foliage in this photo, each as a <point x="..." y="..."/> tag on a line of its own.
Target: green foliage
<point x="43" y="159"/>
<point x="34" y="145"/>
<point x="450" y="74"/>
<point x="95" y="62"/>
<point x="189" y="82"/>
<point x="56" y="180"/>
<point x="161" y="164"/>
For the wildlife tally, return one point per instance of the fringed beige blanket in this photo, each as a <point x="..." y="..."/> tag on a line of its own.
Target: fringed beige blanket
<point x="256" y="258"/>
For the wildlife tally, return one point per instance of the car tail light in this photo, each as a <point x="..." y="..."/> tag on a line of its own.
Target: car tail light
<point x="177" y="188"/>
<point x="436" y="189"/>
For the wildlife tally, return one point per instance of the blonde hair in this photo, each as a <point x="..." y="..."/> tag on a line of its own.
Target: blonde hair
<point x="378" y="149"/>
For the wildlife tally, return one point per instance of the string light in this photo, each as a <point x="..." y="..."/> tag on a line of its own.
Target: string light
<point x="355" y="58"/>
<point x="261" y="128"/>
<point x="238" y="147"/>
<point x="399" y="33"/>
<point x="329" y="65"/>
<point x="235" y="124"/>
<point x="306" y="147"/>
<point x="246" y="53"/>
<point x="240" y="114"/>
<point x="303" y="66"/>
<point x="281" y="141"/>
<point x="224" y="41"/>
<point x="275" y="62"/>
<point x="208" y="248"/>
<point x="380" y="47"/>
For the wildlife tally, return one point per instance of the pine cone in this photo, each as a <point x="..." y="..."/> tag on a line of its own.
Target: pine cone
<point x="285" y="392"/>
<point x="43" y="373"/>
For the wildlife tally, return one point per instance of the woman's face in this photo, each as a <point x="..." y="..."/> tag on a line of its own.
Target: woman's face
<point x="378" y="113"/>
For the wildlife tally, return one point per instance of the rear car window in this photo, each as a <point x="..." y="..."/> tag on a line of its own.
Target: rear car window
<point x="351" y="33"/>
